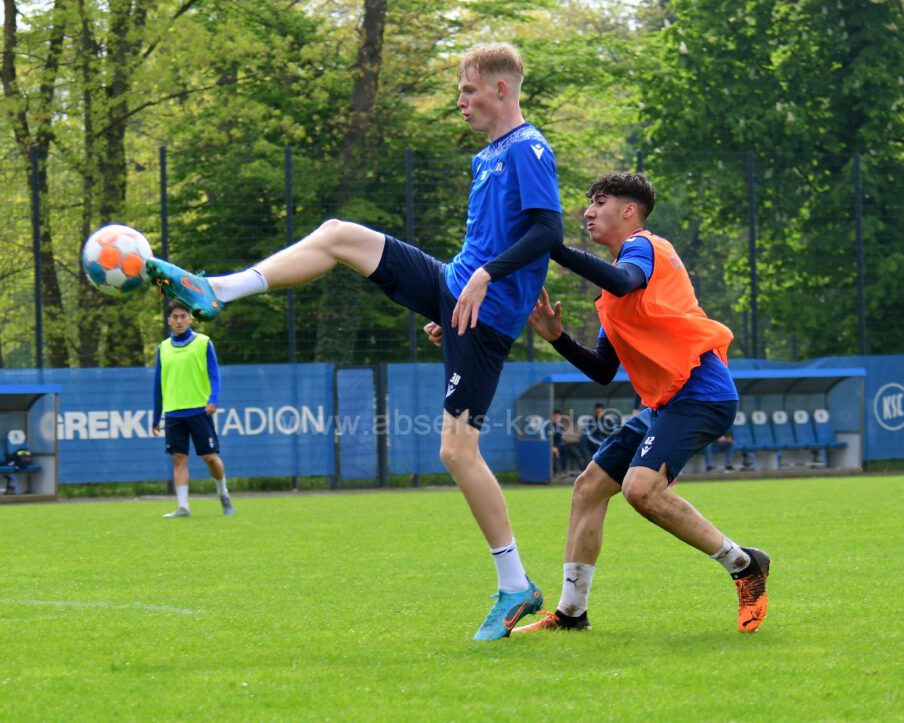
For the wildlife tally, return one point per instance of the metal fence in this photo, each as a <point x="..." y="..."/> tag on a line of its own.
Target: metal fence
<point x="799" y="256"/>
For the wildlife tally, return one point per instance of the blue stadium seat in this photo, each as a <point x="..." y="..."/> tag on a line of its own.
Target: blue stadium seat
<point x="762" y="431"/>
<point x="743" y="440"/>
<point x="740" y="432"/>
<point x="805" y="435"/>
<point x="782" y="431"/>
<point x="825" y="431"/>
<point x="763" y="436"/>
<point x="803" y="429"/>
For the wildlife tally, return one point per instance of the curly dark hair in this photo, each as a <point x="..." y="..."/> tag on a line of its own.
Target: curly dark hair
<point x="624" y="184"/>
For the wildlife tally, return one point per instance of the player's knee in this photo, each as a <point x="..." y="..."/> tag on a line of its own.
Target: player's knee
<point x="641" y="495"/>
<point x="180" y="460"/>
<point x="340" y="239"/>
<point x="455" y="456"/>
<point x="448" y="455"/>
<point x="591" y="488"/>
<point x="585" y="490"/>
<point x="331" y="227"/>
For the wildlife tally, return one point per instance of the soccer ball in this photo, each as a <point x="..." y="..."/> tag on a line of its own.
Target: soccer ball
<point x="114" y="258"/>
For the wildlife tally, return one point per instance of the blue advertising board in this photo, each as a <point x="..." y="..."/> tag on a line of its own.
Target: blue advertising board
<point x="273" y="420"/>
<point x="281" y="420"/>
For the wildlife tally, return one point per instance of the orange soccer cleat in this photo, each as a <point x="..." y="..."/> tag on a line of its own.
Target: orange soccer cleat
<point x="751" y="585"/>
<point x="556" y="621"/>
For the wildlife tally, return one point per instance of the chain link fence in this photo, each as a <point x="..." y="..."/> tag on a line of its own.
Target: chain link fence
<point x="799" y="256"/>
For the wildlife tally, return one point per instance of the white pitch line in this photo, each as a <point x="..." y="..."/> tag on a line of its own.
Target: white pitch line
<point x="101" y="605"/>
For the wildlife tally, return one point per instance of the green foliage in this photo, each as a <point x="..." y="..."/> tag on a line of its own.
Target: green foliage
<point x="804" y="86"/>
<point x="227" y="87"/>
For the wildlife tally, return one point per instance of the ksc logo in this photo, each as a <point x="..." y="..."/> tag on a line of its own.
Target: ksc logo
<point x="888" y="406"/>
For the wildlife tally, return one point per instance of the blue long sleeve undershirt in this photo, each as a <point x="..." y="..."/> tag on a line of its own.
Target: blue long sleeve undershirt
<point x="617" y="279"/>
<point x="544" y="235"/>
<point x="599" y="364"/>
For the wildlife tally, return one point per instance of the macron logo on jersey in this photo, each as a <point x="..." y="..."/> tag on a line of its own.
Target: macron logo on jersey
<point x="537" y="149"/>
<point x="453" y="384"/>
<point x="647" y="446"/>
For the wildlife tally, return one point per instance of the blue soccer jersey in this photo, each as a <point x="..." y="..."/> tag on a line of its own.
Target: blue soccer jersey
<point x="513" y="174"/>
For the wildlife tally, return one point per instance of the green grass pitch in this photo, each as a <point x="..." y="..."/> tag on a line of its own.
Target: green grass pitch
<point x="362" y="607"/>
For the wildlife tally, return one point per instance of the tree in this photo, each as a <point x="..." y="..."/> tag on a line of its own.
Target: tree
<point x="30" y="112"/>
<point x="804" y="86"/>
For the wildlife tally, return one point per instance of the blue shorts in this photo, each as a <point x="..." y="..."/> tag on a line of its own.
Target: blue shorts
<point x="199" y="427"/>
<point x="671" y="435"/>
<point x="473" y="362"/>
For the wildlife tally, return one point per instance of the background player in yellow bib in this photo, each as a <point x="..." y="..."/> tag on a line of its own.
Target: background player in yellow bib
<point x="186" y="390"/>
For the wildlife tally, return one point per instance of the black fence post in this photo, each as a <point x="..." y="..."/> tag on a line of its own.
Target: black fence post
<point x="861" y="256"/>
<point x="36" y="245"/>
<point x="409" y="237"/>
<point x="164" y="252"/>
<point x="290" y="235"/>
<point x="290" y="312"/>
<point x="751" y="235"/>
<point x="380" y="384"/>
<point x="164" y="225"/>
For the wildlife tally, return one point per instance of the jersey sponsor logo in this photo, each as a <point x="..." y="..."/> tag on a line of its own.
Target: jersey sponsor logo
<point x="453" y="384"/>
<point x="498" y="168"/>
<point x="647" y="446"/>
<point x="537" y="149"/>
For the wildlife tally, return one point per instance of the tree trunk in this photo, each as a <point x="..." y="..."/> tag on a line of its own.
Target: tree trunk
<point x="40" y="138"/>
<point x="108" y="334"/>
<point x="339" y="317"/>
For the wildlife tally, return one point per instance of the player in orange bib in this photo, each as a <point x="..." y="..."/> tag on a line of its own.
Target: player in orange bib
<point x="676" y="358"/>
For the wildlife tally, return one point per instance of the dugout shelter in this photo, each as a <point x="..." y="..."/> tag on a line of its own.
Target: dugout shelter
<point x="828" y="400"/>
<point x="28" y="420"/>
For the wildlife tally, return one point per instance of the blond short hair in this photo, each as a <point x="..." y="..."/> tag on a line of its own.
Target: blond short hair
<point x="493" y="59"/>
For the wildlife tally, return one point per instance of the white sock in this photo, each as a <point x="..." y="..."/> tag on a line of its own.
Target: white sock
<point x="576" y="580"/>
<point x="509" y="569"/>
<point x="731" y="556"/>
<point x="182" y="495"/>
<point x="221" y="486"/>
<point x="235" y="286"/>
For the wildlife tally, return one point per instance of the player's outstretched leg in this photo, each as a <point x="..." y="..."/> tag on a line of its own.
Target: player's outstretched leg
<point x="333" y="242"/>
<point x="751" y="585"/>
<point x="193" y="289"/>
<point x="510" y="607"/>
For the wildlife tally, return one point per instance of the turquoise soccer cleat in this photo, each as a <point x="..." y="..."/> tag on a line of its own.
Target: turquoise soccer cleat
<point x="510" y="607"/>
<point x="193" y="289"/>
